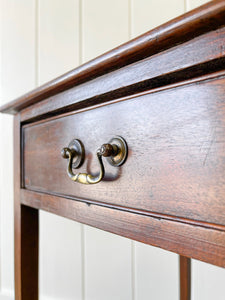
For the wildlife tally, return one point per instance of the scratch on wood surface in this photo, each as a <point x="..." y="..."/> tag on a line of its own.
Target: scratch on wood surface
<point x="210" y="146"/>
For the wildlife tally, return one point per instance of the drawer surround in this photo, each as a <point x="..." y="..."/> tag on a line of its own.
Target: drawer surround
<point x="198" y="145"/>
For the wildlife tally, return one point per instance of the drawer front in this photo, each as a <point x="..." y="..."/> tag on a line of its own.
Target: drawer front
<point x="176" y="157"/>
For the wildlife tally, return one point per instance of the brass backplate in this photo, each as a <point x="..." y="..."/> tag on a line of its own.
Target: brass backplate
<point x="78" y="147"/>
<point x="121" y="155"/>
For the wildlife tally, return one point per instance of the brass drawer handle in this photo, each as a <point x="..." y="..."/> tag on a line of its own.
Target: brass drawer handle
<point x="115" y="151"/>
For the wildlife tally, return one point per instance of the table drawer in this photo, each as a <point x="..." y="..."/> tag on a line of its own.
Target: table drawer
<point x="176" y="158"/>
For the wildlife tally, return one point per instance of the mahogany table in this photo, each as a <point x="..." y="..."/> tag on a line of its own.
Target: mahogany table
<point x="132" y="142"/>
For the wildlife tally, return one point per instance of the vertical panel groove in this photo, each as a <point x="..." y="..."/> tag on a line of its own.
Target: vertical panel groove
<point x="80" y="32"/>
<point x="185" y="5"/>
<point x="1" y="170"/>
<point x="129" y="20"/>
<point x="82" y="261"/>
<point x="36" y="13"/>
<point x="81" y="226"/>
<point x="133" y="284"/>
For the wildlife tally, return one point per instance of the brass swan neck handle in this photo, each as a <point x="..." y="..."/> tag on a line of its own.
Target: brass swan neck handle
<point x="83" y="177"/>
<point x="115" y="151"/>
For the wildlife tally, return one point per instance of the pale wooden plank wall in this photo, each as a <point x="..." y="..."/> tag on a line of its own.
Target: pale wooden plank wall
<point x="17" y="76"/>
<point x="41" y="39"/>
<point x="146" y="14"/>
<point x="105" y="25"/>
<point x="58" y="36"/>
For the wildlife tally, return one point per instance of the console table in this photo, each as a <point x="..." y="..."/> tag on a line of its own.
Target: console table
<point x="132" y="142"/>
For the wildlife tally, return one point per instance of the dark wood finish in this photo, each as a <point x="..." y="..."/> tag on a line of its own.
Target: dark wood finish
<point x="25" y="234"/>
<point x="198" y="242"/>
<point x="185" y="278"/>
<point x="202" y="55"/>
<point x="176" y="152"/>
<point x="164" y="93"/>
<point x="184" y="28"/>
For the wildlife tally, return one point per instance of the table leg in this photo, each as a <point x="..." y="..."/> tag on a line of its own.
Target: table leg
<point x="185" y="278"/>
<point x="25" y="231"/>
<point x="26" y="253"/>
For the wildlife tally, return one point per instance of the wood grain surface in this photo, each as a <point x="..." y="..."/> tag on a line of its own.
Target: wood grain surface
<point x="175" y="163"/>
<point x="187" y="240"/>
<point x="202" y="55"/>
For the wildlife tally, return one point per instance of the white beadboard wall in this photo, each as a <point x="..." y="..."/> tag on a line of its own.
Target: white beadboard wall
<point x="39" y="40"/>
